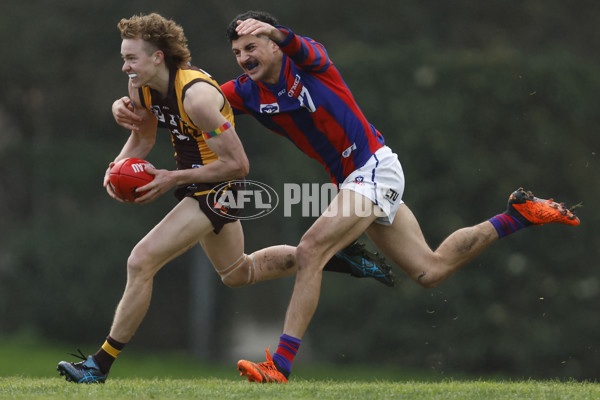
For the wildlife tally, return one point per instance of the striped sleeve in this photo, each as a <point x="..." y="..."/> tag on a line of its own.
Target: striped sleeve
<point x="305" y="52"/>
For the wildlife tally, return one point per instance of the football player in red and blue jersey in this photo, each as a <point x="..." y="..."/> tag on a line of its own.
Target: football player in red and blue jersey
<point x="291" y="86"/>
<point x="294" y="89"/>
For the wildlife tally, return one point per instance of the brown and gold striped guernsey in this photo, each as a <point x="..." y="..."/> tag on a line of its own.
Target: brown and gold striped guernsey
<point x="191" y="151"/>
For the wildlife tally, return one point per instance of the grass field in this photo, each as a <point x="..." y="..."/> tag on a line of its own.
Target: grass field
<point x="214" y="388"/>
<point x="27" y="371"/>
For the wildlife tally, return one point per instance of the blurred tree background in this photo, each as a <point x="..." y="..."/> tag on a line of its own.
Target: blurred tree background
<point x="477" y="99"/>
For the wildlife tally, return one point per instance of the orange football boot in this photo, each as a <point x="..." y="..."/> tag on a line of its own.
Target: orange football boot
<point x="539" y="211"/>
<point x="264" y="372"/>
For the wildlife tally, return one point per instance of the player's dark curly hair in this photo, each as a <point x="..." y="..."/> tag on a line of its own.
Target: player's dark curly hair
<point x="258" y="15"/>
<point x="161" y="33"/>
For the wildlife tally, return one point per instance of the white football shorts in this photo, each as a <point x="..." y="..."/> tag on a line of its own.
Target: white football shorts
<point x="381" y="180"/>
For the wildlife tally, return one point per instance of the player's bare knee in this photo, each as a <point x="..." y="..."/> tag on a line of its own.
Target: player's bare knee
<point x="139" y="265"/>
<point x="427" y="279"/>
<point x="241" y="273"/>
<point x="233" y="284"/>
<point x="429" y="284"/>
<point x="302" y="256"/>
<point x="136" y="268"/>
<point x="237" y="279"/>
<point x="307" y="257"/>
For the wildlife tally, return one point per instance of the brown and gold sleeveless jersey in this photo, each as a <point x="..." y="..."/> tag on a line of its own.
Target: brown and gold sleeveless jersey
<point x="191" y="150"/>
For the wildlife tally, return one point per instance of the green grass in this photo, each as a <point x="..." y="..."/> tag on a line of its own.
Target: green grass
<point x="27" y="371"/>
<point x="214" y="388"/>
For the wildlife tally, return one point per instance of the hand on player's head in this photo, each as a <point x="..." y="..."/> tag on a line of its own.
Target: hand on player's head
<point x="255" y="27"/>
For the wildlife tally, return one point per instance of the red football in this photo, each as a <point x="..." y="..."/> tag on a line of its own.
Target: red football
<point x="129" y="174"/>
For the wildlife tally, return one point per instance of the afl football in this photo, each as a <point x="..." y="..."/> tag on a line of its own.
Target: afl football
<point x="129" y="174"/>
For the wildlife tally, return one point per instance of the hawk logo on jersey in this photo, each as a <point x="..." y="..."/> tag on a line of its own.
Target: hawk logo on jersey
<point x="269" y="108"/>
<point x="179" y="136"/>
<point x="175" y="125"/>
<point x="158" y="113"/>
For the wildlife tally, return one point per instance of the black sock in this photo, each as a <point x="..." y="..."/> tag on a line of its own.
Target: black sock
<point x="108" y="353"/>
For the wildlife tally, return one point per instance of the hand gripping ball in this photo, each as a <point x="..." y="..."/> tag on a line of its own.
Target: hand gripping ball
<point x="129" y="174"/>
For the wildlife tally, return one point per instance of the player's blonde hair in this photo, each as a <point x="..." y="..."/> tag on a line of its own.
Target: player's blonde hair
<point x="161" y="33"/>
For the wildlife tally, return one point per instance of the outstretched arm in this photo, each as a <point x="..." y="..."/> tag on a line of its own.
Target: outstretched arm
<point x="306" y="53"/>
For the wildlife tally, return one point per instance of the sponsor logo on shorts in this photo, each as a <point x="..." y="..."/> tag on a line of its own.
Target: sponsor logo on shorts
<point x="392" y="195"/>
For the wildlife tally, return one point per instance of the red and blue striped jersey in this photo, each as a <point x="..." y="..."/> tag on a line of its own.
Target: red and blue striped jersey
<point x="311" y="106"/>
